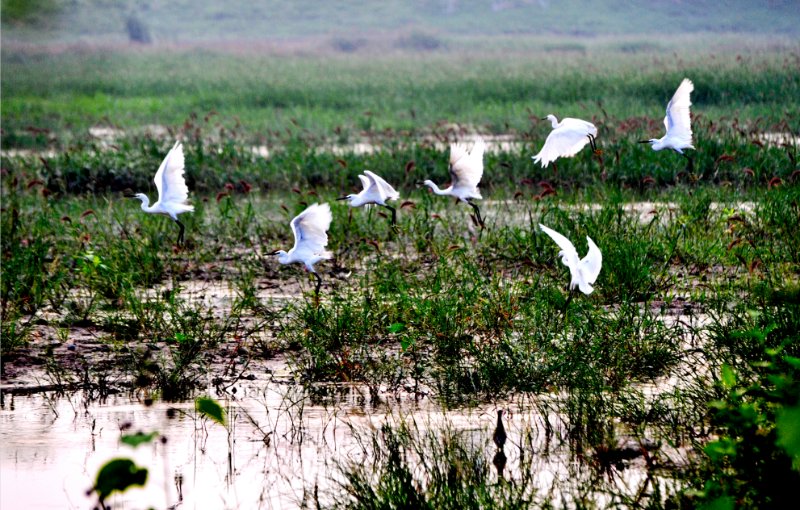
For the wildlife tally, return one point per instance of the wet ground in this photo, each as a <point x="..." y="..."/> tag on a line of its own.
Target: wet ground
<point x="281" y="446"/>
<point x="284" y="441"/>
<point x="66" y="400"/>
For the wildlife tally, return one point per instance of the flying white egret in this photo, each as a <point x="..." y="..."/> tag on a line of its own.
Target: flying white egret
<point x="172" y="190"/>
<point x="376" y="191"/>
<point x="583" y="272"/>
<point x="310" y="238"/>
<point x="466" y="170"/>
<point x="566" y="139"/>
<point x="677" y="122"/>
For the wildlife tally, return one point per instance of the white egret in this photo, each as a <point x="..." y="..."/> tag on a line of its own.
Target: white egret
<point x="376" y="191"/>
<point x="566" y="139"/>
<point x="172" y="190"/>
<point x="466" y="170"/>
<point x="677" y="123"/>
<point x="310" y="238"/>
<point x="583" y="272"/>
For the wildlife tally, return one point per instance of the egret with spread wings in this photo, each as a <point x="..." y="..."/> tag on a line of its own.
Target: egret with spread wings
<point x="677" y="122"/>
<point x="583" y="271"/>
<point x="310" y="229"/>
<point x="172" y="190"/>
<point x="466" y="170"/>
<point x="376" y="191"/>
<point x="566" y="139"/>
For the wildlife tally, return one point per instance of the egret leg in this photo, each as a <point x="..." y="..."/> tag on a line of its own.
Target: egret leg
<point x="597" y="152"/>
<point x="591" y="141"/>
<point x="319" y="284"/>
<point x="566" y="303"/>
<point x="477" y="213"/>
<point x="180" y="234"/>
<point x="394" y="214"/>
<point x="689" y="162"/>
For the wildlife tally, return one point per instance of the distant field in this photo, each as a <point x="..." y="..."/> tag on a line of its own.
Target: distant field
<point x="342" y="96"/>
<point x="186" y="20"/>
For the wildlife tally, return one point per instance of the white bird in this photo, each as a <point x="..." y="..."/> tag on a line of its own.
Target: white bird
<point x="677" y="122"/>
<point x="310" y="239"/>
<point x="565" y="140"/>
<point x="376" y="191"/>
<point x="583" y="272"/>
<point x="466" y="170"/>
<point x="172" y="191"/>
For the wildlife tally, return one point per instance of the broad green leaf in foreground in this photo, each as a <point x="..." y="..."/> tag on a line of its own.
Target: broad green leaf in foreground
<point x="118" y="475"/>
<point x="135" y="440"/>
<point x="211" y="408"/>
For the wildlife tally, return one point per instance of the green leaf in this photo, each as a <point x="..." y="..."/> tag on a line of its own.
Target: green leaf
<point x="406" y="342"/>
<point x="721" y="503"/>
<point x="396" y="327"/>
<point x="716" y="450"/>
<point x="718" y="404"/>
<point x="787" y="424"/>
<point x="792" y="361"/>
<point x="728" y="376"/>
<point x="211" y="408"/>
<point x="135" y="440"/>
<point x="118" y="475"/>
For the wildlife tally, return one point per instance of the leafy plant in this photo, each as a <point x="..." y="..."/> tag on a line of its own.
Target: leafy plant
<point x="755" y="458"/>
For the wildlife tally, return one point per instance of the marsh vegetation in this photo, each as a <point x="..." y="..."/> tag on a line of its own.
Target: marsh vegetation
<point x="674" y="384"/>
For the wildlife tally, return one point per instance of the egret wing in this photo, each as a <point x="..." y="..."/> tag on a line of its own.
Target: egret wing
<point x="468" y="170"/>
<point x="364" y="181"/>
<point x="560" y="240"/>
<point x="457" y="151"/>
<point x="310" y="228"/>
<point x="169" y="179"/>
<point x="677" y="120"/>
<point x="579" y="125"/>
<point x="386" y="191"/>
<point x="561" y="143"/>
<point x="592" y="262"/>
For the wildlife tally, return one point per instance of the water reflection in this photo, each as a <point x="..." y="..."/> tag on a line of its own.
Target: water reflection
<point x="279" y="449"/>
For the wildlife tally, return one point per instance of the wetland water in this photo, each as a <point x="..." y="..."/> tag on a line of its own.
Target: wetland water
<point x="283" y="441"/>
<point x="279" y="444"/>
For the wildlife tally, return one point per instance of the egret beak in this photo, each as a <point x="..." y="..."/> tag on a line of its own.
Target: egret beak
<point x="543" y="118"/>
<point x="273" y="252"/>
<point x="643" y="141"/>
<point x="342" y="198"/>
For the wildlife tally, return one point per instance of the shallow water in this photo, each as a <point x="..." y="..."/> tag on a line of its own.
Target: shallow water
<point x="281" y="442"/>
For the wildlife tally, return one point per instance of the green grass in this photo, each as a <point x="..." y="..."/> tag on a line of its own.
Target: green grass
<point x="703" y="286"/>
<point x="465" y="317"/>
<point x="340" y="98"/>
